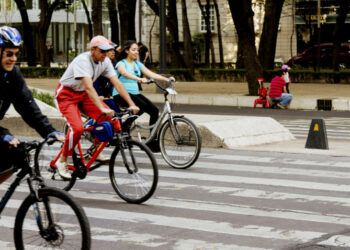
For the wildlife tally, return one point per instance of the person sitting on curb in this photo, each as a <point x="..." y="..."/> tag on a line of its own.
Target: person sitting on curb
<point x="278" y="92"/>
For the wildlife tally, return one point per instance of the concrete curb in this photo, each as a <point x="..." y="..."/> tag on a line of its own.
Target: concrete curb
<point x="216" y="131"/>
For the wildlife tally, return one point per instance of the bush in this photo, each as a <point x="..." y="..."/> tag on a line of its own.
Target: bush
<point x="42" y="72"/>
<point x="182" y="74"/>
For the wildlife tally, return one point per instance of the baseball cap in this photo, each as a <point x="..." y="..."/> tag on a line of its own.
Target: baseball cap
<point x="285" y="67"/>
<point x="101" y="42"/>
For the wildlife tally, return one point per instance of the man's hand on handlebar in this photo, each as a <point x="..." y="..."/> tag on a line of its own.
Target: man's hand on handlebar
<point x="108" y="112"/>
<point x="134" y="109"/>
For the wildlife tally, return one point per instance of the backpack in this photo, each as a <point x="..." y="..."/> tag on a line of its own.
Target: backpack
<point x="103" y="131"/>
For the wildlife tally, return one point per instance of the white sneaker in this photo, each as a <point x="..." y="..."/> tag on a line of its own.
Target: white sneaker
<point x="63" y="170"/>
<point x="102" y="158"/>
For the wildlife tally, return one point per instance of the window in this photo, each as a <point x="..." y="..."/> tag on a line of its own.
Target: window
<point x="211" y="19"/>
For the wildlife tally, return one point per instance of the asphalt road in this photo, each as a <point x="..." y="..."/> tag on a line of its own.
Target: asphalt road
<point x="230" y="199"/>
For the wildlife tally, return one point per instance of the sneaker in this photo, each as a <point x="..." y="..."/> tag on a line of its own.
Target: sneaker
<point x="154" y="146"/>
<point x="102" y="158"/>
<point x="281" y="106"/>
<point x="63" y="170"/>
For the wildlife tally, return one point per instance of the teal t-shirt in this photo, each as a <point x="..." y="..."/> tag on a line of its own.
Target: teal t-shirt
<point x="130" y="85"/>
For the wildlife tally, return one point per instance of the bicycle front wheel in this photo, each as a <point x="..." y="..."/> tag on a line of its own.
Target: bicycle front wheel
<point x="53" y="221"/>
<point x="133" y="172"/>
<point x="180" y="142"/>
<point x="43" y="158"/>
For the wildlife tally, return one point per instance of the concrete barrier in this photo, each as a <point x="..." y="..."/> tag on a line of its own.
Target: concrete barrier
<point x="216" y="130"/>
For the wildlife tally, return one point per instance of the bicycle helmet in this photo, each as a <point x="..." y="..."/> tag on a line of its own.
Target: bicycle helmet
<point x="10" y="37"/>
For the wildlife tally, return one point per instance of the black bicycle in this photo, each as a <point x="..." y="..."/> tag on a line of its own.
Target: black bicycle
<point x="48" y="217"/>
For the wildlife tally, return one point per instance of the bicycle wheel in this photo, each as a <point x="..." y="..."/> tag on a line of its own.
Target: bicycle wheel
<point x="133" y="172"/>
<point x="180" y="142"/>
<point x="43" y="157"/>
<point x="63" y="221"/>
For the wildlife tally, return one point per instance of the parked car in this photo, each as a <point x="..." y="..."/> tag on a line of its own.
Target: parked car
<point x="309" y="56"/>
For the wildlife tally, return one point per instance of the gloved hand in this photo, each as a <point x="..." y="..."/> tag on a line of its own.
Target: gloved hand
<point x="8" y="138"/>
<point x="58" y="135"/>
<point x="54" y="133"/>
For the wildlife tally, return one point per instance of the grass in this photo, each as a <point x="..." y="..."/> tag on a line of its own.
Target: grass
<point x="44" y="97"/>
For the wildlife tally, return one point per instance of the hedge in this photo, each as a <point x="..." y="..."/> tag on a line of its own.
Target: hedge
<point x="216" y="74"/>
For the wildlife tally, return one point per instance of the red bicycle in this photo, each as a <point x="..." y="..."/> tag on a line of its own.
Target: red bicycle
<point x="133" y="172"/>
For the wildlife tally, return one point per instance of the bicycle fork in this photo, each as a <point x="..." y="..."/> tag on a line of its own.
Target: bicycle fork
<point x="123" y="145"/>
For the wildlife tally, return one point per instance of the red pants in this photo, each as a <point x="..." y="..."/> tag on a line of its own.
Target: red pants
<point x="70" y="103"/>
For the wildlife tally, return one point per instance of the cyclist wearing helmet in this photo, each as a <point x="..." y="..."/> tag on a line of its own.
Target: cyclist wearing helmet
<point x="13" y="90"/>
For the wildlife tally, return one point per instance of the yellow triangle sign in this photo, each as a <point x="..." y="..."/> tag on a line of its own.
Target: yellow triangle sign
<point x="316" y="127"/>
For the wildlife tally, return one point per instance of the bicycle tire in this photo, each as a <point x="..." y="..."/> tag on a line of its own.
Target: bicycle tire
<point x="67" y="214"/>
<point x="42" y="159"/>
<point x="135" y="187"/>
<point x="184" y="151"/>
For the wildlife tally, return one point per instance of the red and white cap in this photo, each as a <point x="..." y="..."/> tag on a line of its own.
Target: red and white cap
<point x="101" y="42"/>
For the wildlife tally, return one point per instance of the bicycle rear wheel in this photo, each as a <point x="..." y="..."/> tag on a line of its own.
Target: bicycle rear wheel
<point x="43" y="157"/>
<point x="64" y="223"/>
<point x="180" y="142"/>
<point x="133" y="172"/>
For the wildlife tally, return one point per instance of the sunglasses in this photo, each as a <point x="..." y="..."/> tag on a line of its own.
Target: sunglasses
<point x="10" y="53"/>
<point x="103" y="51"/>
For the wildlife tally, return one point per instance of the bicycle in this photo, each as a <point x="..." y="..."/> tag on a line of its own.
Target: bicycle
<point x="55" y="220"/>
<point x="134" y="175"/>
<point x="179" y="139"/>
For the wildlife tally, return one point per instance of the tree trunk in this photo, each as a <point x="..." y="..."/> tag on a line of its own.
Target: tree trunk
<point x="242" y="15"/>
<point x="176" y="58"/>
<point x="27" y="33"/>
<point x="221" y="50"/>
<point x="127" y="10"/>
<point x="205" y="13"/>
<point x="268" y="40"/>
<point x="97" y="17"/>
<point x="171" y="23"/>
<point x="338" y="32"/>
<point x="113" y="17"/>
<point x="188" y="49"/>
<point x="44" y="23"/>
<point x="87" y="13"/>
<point x="239" y="60"/>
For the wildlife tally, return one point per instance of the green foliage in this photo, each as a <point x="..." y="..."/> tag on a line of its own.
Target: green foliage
<point x="42" y="72"/>
<point x="44" y="97"/>
<point x="182" y="74"/>
<point x="198" y="41"/>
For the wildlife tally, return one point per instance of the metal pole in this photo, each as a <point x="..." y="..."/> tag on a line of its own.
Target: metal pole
<point x="162" y="40"/>
<point x="140" y="19"/>
<point x="67" y="35"/>
<point x="75" y="30"/>
<point x="318" y="35"/>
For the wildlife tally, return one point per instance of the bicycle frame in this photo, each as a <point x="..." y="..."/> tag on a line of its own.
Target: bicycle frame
<point x="155" y="127"/>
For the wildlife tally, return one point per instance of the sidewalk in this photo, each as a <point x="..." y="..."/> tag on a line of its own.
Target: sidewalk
<point x="234" y="132"/>
<point x="305" y="96"/>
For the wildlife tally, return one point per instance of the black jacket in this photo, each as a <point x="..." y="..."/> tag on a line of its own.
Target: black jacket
<point x="13" y="90"/>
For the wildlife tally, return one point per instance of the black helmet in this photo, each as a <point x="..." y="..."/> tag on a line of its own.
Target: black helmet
<point x="10" y="37"/>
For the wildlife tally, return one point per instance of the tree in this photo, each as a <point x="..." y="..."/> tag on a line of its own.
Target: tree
<point x="113" y="17"/>
<point x="171" y="23"/>
<point x="27" y="33"/>
<point x="242" y="15"/>
<point x="268" y="40"/>
<point x="87" y="13"/>
<point x="97" y="17"/>
<point x="205" y="10"/>
<point x="188" y="48"/>
<point x="47" y="8"/>
<point x="221" y="50"/>
<point x="338" y="32"/>
<point x="127" y="10"/>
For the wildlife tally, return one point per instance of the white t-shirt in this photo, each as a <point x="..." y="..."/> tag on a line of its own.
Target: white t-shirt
<point x="286" y="77"/>
<point x="84" y="66"/>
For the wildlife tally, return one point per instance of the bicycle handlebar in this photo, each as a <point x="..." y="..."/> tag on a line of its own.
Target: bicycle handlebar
<point x="151" y="80"/>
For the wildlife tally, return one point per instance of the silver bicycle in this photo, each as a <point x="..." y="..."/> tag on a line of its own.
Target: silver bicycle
<point x="179" y="139"/>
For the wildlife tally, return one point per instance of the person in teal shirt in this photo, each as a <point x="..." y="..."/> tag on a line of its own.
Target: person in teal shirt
<point x="129" y="71"/>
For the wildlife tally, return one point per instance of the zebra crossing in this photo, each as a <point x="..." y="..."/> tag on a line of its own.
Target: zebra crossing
<point x="337" y="128"/>
<point x="229" y="199"/>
